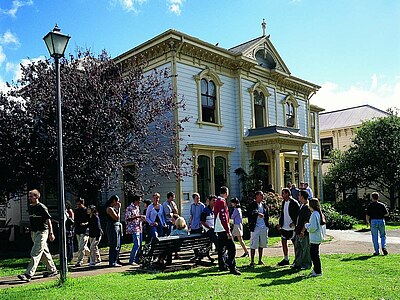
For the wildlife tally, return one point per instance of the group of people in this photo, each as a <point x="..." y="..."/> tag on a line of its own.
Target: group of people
<point x="301" y="221"/>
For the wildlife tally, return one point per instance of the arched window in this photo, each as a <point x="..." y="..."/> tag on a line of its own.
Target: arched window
<point x="208" y="101"/>
<point x="259" y="109"/>
<point x="290" y="114"/>
<point x="219" y="173"/>
<point x="290" y="106"/>
<point x="259" y="95"/>
<point x="208" y="86"/>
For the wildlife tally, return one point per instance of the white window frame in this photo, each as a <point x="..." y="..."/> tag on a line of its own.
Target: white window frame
<point x="209" y="75"/>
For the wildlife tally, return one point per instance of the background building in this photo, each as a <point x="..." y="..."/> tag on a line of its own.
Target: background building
<point x="337" y="130"/>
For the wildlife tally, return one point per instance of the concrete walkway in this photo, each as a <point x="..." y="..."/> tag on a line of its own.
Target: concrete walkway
<point x="343" y="241"/>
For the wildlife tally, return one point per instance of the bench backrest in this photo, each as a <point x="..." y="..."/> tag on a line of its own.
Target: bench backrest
<point x="179" y="243"/>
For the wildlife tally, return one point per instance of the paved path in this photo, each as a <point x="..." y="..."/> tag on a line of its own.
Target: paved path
<point x="343" y="241"/>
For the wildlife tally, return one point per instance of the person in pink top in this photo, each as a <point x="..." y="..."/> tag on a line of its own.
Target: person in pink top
<point x="225" y="239"/>
<point x="237" y="218"/>
<point x="134" y="220"/>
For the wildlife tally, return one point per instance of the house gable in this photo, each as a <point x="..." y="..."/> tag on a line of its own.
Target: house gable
<point x="263" y="51"/>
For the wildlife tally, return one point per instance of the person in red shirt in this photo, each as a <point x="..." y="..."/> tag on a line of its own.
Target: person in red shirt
<point x="225" y="240"/>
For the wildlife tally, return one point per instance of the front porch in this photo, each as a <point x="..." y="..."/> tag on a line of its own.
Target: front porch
<point x="280" y="149"/>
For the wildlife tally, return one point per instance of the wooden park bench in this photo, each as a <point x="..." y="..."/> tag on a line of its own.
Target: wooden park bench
<point x="162" y="246"/>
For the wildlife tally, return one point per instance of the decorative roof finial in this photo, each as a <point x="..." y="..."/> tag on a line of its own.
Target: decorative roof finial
<point x="264" y="27"/>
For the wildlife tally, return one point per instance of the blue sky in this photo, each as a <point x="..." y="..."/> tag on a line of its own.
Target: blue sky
<point x="349" y="47"/>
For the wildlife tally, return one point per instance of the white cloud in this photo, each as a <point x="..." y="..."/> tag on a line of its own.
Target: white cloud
<point x="382" y="93"/>
<point x="129" y="5"/>
<point x="175" y="6"/>
<point x="24" y="62"/>
<point x="16" y="4"/>
<point x="8" y="38"/>
<point x="3" y="86"/>
<point x="2" y="55"/>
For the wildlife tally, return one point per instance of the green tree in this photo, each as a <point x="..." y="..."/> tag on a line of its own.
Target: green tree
<point x="14" y="144"/>
<point x="113" y="115"/>
<point x="373" y="160"/>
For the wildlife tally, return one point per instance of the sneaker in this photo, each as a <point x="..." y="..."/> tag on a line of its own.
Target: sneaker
<point x="133" y="264"/>
<point x="24" y="277"/>
<point x="295" y="267"/>
<point x="235" y="272"/>
<point x="251" y="265"/>
<point x="375" y="254"/>
<point x="283" y="262"/>
<point x="313" y="274"/>
<point x="385" y="252"/>
<point x="116" y="265"/>
<point x="246" y="254"/>
<point x="92" y="264"/>
<point x="78" y="264"/>
<point x="50" y="274"/>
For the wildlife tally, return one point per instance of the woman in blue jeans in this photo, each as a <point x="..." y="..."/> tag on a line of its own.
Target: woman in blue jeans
<point x="155" y="217"/>
<point x="113" y="229"/>
<point x="133" y="220"/>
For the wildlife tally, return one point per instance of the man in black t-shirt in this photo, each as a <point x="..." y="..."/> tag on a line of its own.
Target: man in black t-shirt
<point x="41" y="229"/>
<point x="81" y="230"/>
<point x="375" y="216"/>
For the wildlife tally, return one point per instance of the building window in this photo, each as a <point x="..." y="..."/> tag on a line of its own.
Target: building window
<point x="208" y="87"/>
<point x="210" y="168"/>
<point x="263" y="167"/>
<point x="219" y="173"/>
<point x="290" y="115"/>
<point x="259" y="109"/>
<point x="203" y="177"/>
<point x="313" y="126"/>
<point x="259" y="104"/>
<point x="208" y="99"/>
<point x="290" y="106"/>
<point x="326" y="148"/>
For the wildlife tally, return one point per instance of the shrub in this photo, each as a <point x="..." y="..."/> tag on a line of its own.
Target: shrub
<point x="273" y="222"/>
<point x="353" y="206"/>
<point x="336" y="220"/>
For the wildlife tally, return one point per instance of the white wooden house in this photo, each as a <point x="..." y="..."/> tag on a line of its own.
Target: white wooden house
<point x="244" y="104"/>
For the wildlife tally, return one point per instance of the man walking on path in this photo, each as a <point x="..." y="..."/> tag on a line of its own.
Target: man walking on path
<point x="225" y="239"/>
<point x="302" y="255"/>
<point x="287" y="219"/>
<point x="258" y="226"/>
<point x="375" y="216"/>
<point x="41" y="230"/>
<point x="81" y="230"/>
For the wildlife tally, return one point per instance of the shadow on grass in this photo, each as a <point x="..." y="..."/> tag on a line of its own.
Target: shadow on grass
<point x="361" y="258"/>
<point x="276" y="275"/>
<point x="363" y="230"/>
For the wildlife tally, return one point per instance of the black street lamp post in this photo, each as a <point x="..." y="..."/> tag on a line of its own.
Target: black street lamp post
<point x="56" y="43"/>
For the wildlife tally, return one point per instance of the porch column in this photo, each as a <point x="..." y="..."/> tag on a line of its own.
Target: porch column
<point x="301" y="168"/>
<point x="278" y="181"/>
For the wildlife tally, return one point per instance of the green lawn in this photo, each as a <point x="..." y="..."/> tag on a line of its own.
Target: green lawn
<point x="389" y="226"/>
<point x="345" y="277"/>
